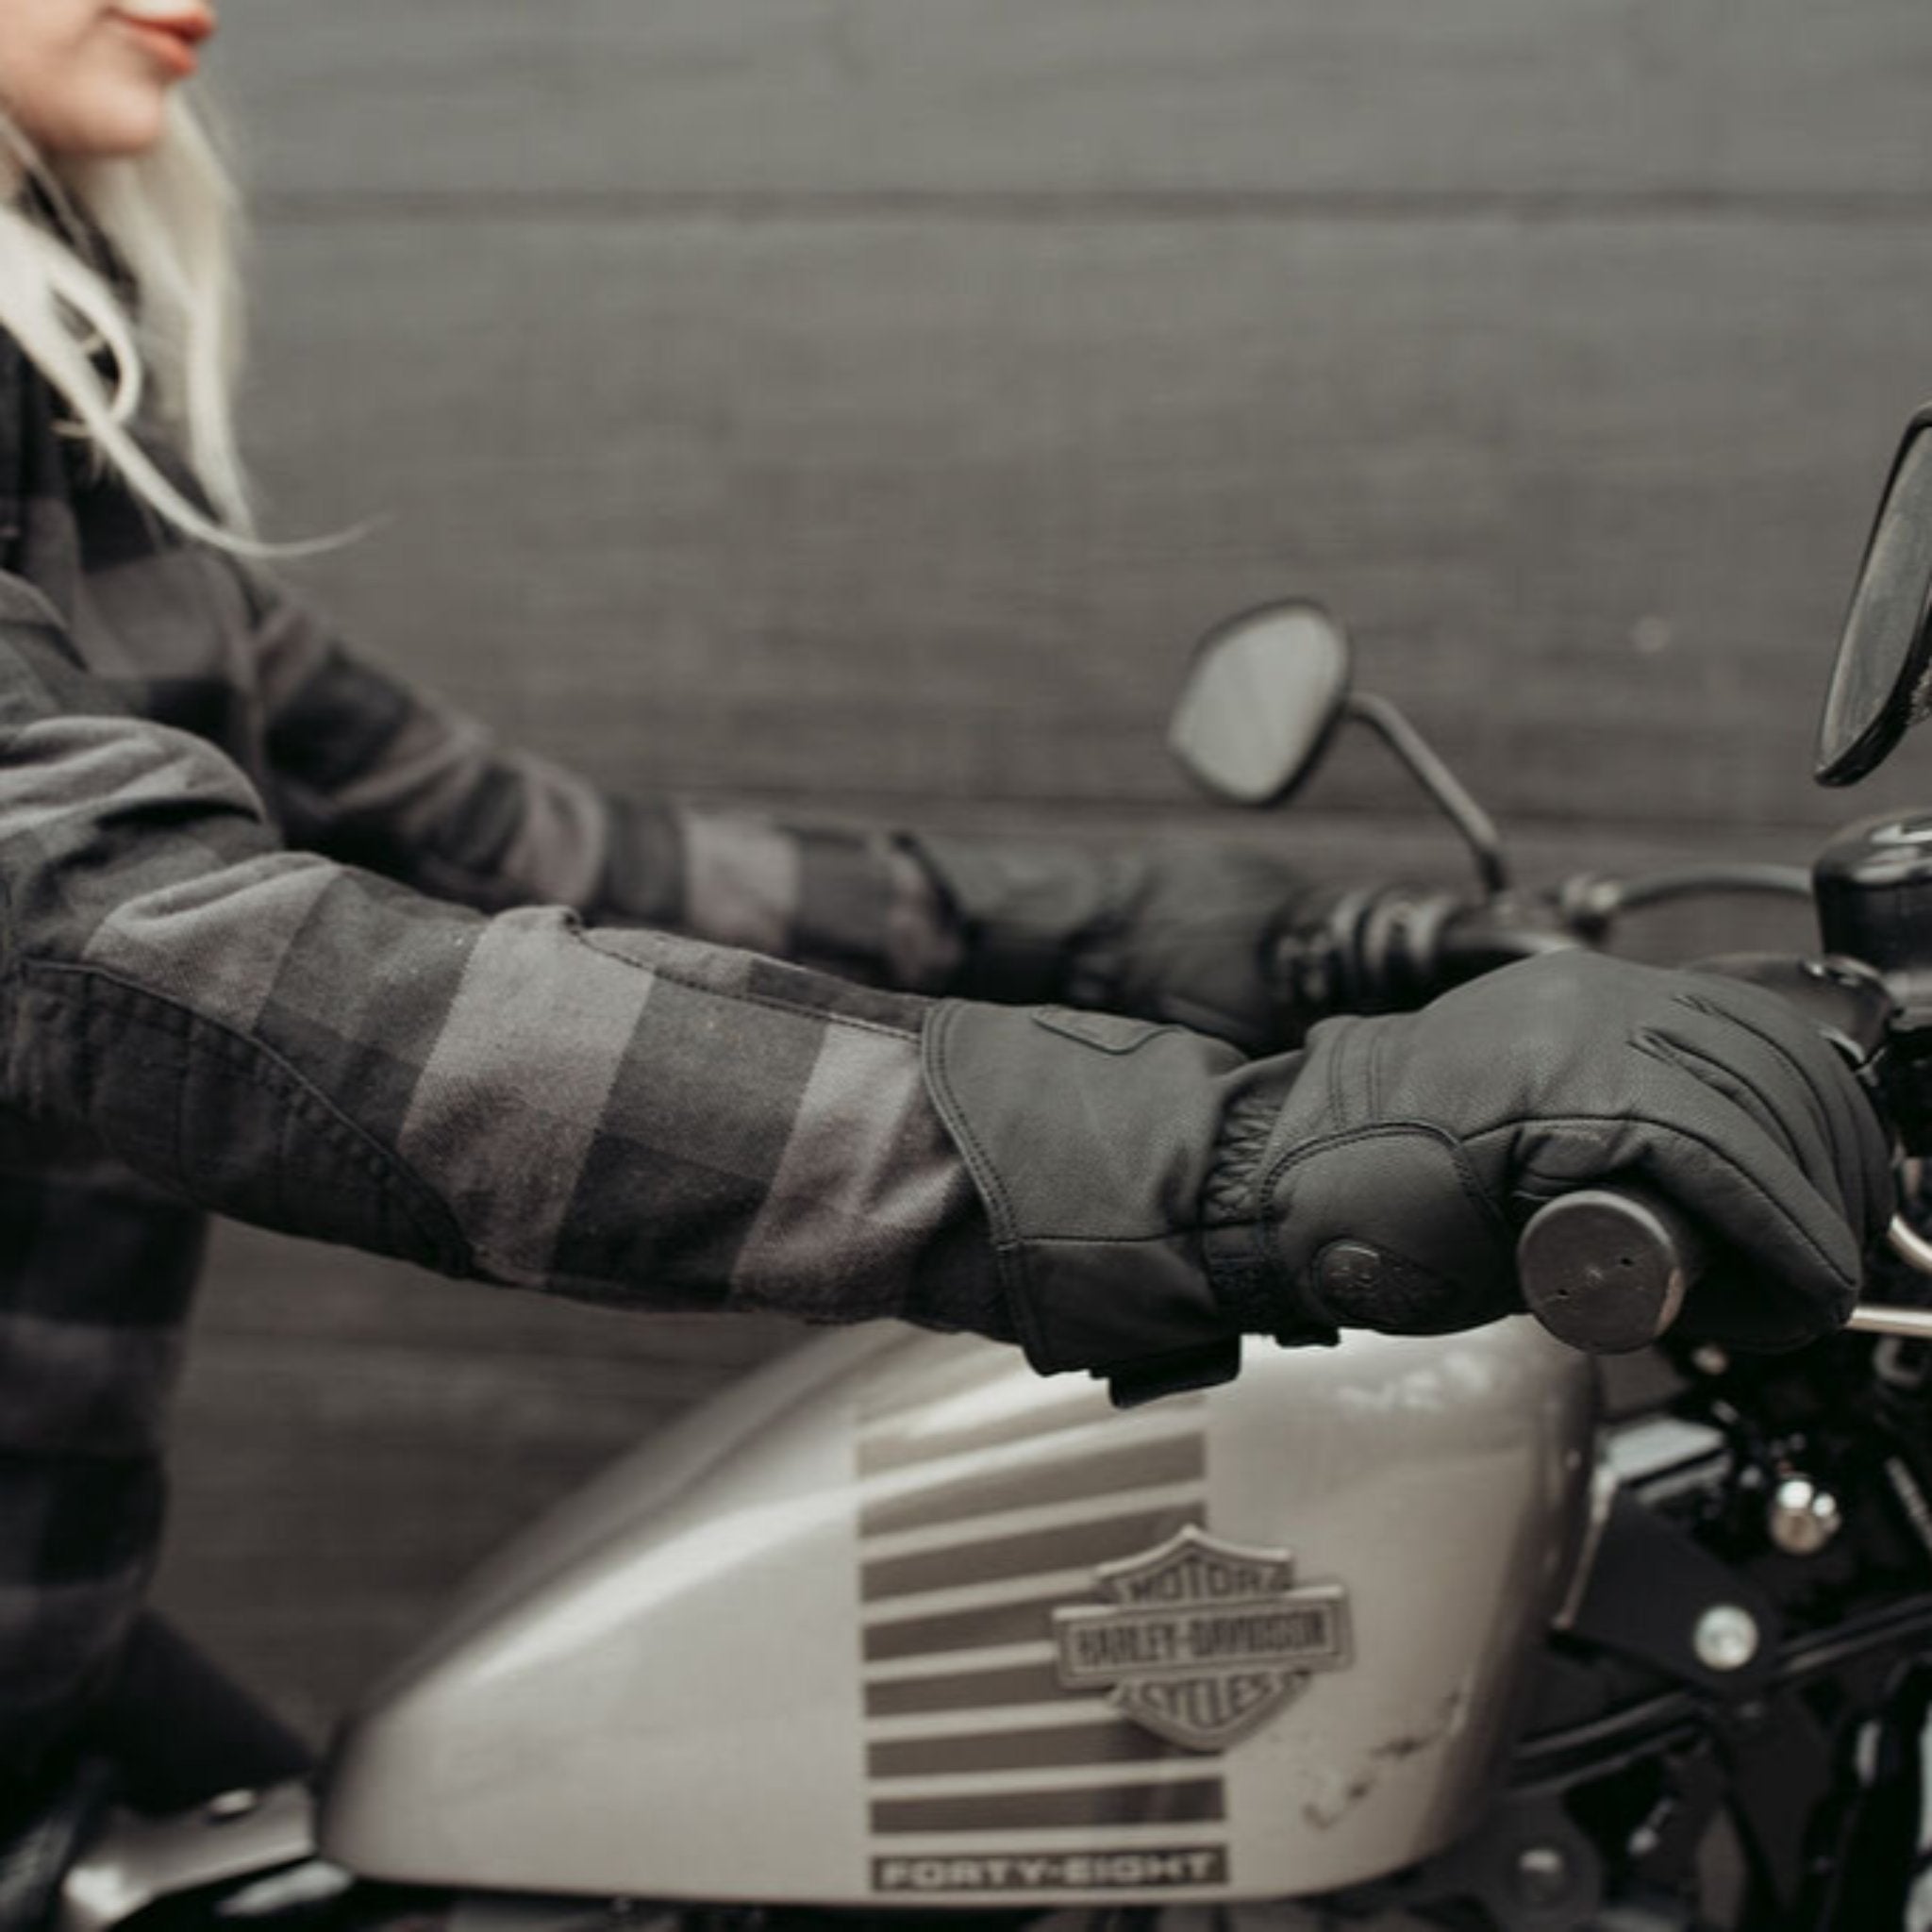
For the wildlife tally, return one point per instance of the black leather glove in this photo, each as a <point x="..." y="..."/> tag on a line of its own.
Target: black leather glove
<point x="1173" y="933"/>
<point x="1152" y="1195"/>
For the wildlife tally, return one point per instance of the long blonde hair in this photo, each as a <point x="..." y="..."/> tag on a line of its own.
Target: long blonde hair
<point x="171" y="216"/>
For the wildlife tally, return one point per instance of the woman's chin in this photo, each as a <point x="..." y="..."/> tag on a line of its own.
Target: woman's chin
<point x="117" y="129"/>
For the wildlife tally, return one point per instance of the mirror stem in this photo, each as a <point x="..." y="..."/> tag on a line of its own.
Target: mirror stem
<point x="1477" y="828"/>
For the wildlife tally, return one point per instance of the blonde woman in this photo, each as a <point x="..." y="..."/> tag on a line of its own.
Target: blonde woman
<point x="283" y="939"/>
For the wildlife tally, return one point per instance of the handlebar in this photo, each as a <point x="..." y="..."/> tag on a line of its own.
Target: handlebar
<point x="1387" y="948"/>
<point x="1606" y="1269"/>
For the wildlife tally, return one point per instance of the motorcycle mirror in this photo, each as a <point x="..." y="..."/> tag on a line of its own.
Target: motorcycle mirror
<point x="1266" y="692"/>
<point x="1879" y="687"/>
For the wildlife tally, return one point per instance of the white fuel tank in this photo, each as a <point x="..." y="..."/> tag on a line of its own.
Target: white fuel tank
<point x="899" y="1621"/>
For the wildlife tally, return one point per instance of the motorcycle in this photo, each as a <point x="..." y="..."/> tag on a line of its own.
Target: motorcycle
<point x="1410" y="1633"/>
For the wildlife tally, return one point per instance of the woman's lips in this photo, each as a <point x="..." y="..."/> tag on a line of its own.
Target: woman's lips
<point x="168" y="30"/>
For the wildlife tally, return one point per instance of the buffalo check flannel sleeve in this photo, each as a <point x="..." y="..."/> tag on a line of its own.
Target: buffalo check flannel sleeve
<point x="282" y="1037"/>
<point x="367" y="769"/>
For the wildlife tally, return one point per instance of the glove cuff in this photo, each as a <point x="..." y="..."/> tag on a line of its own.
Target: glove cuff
<point x="1092" y="1140"/>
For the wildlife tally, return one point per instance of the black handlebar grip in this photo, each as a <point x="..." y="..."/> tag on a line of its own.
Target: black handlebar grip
<point x="1607" y="1270"/>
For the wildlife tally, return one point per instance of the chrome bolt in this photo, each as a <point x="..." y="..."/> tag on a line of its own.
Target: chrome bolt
<point x="1802" y="1516"/>
<point x="1542" y="1874"/>
<point x="1725" y="1638"/>
<point x="1710" y="1359"/>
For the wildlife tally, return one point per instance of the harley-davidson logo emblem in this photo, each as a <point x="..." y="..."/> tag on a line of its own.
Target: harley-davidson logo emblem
<point x="1203" y="1641"/>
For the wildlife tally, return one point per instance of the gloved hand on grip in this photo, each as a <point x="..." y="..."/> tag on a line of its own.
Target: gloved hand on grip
<point x="1149" y="1193"/>
<point x="1182" y="934"/>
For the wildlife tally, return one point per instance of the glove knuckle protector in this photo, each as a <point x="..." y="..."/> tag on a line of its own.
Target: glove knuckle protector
<point x="1386" y="1228"/>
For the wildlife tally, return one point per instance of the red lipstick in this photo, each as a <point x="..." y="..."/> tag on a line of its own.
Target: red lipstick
<point x="169" y="30"/>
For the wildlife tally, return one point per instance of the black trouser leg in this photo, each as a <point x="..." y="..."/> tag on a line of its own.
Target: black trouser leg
<point x="178" y="1730"/>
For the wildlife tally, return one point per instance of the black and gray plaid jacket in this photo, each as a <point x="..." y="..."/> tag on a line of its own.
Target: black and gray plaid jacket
<point x="281" y="938"/>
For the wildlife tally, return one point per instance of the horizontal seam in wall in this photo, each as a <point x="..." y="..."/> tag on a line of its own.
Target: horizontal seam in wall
<point x="1553" y="207"/>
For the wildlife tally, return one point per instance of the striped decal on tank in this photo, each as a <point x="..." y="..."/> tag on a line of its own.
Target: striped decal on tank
<point x="989" y="1499"/>
<point x="1026" y="1619"/>
<point x="1037" y="1553"/>
<point x="1040" y="1750"/>
<point x="1189" y="1801"/>
<point x="1141" y="1465"/>
<point x="963" y="1691"/>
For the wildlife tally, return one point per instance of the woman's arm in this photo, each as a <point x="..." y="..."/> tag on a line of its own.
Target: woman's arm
<point x="297" y="1042"/>
<point x="369" y="768"/>
<point x="642" y="1118"/>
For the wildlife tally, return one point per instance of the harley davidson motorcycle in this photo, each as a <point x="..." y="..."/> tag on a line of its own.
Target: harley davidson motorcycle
<point x="1410" y="1633"/>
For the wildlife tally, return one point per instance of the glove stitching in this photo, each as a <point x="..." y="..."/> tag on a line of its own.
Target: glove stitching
<point x="1344" y="1048"/>
<point x="1847" y="1152"/>
<point x="1244" y="1273"/>
<point x="1291" y="1283"/>
<point x="1723" y="1080"/>
<point x="1769" y="1039"/>
<point x="1009" y="1254"/>
<point x="1473" y="1190"/>
<point x="1244" y="1135"/>
<point x="1372" y="1070"/>
<point x="1000" y="1207"/>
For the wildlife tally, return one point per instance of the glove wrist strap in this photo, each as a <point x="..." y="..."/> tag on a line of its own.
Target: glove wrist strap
<point x="1238" y="1243"/>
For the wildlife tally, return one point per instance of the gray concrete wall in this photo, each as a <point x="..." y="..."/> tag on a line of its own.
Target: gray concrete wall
<point x="858" y="405"/>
